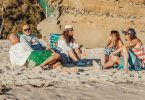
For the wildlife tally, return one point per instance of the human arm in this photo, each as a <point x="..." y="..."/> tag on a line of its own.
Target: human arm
<point x="49" y="48"/>
<point x="120" y="48"/>
<point x="117" y="51"/>
<point x="27" y="47"/>
<point x="75" y="45"/>
<point x="127" y="45"/>
<point x="130" y="43"/>
<point x="120" y="44"/>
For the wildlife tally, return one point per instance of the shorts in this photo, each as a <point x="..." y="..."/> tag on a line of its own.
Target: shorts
<point x="38" y="57"/>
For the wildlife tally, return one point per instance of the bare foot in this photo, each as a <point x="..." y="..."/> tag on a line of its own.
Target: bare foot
<point x="37" y="69"/>
<point x="126" y="70"/>
<point x="57" y="65"/>
<point x="71" y="70"/>
<point x="96" y="67"/>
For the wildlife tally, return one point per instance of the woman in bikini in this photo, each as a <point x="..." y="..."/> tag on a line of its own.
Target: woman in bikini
<point x="132" y="53"/>
<point x="114" y="42"/>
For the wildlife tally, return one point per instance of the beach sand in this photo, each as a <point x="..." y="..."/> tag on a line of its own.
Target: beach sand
<point x="21" y="83"/>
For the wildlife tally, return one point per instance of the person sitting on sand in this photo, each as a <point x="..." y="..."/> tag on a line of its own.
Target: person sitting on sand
<point x="30" y="39"/>
<point x="68" y="45"/>
<point x="114" y="42"/>
<point x="132" y="53"/>
<point x="21" y="54"/>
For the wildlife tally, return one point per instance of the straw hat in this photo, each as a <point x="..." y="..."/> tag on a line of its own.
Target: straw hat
<point x="68" y="28"/>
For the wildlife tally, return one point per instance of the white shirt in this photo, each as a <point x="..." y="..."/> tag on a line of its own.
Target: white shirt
<point x="19" y="53"/>
<point x="62" y="44"/>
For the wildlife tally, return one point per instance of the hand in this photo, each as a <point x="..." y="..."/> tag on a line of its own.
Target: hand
<point x="33" y="41"/>
<point x="112" y="54"/>
<point x="48" y="48"/>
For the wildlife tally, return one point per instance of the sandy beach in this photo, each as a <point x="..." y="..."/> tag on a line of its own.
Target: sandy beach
<point x="92" y="21"/>
<point x="21" y="83"/>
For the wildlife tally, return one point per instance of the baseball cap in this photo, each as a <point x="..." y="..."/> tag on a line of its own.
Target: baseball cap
<point x="130" y="31"/>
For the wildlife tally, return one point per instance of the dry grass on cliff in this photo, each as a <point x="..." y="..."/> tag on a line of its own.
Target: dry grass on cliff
<point x="18" y="11"/>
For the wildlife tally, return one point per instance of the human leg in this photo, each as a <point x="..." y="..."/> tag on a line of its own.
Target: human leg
<point x="126" y="57"/>
<point x="104" y="59"/>
<point x="72" y="56"/>
<point x="77" y="51"/>
<point x="111" y="62"/>
<point x="50" y="60"/>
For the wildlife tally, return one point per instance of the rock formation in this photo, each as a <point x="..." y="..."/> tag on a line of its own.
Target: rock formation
<point x="94" y="19"/>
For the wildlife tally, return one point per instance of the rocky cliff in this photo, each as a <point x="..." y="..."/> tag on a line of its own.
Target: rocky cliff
<point x="94" y="19"/>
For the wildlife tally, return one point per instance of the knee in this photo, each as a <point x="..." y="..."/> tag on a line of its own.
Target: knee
<point x="56" y="55"/>
<point x="77" y="49"/>
<point x="124" y="48"/>
<point x="115" y="59"/>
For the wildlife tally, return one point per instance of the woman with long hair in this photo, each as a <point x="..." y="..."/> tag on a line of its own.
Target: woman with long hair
<point x="132" y="55"/>
<point x="114" y="42"/>
<point x="68" y="45"/>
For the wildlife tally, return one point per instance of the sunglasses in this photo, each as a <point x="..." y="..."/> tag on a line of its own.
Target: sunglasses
<point x="26" y="29"/>
<point x="126" y="33"/>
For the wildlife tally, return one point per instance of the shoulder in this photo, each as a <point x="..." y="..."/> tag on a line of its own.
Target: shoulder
<point x="139" y="42"/>
<point x="131" y="43"/>
<point x="74" y="41"/>
<point x="14" y="47"/>
<point x="20" y="45"/>
<point x="135" y="41"/>
<point x="11" y="48"/>
<point x="61" y="37"/>
<point x="23" y="44"/>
